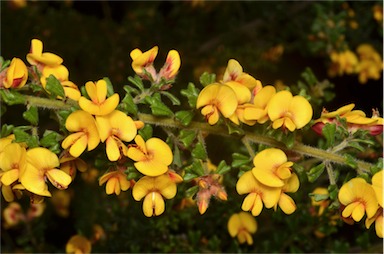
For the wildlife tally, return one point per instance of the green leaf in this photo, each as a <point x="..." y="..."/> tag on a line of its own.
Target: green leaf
<point x="233" y="128"/>
<point x="110" y="90"/>
<point x="146" y="132"/>
<point x="222" y="168"/>
<point x="50" y="138"/>
<point x="350" y="160"/>
<point x="239" y="159"/>
<point x="191" y="191"/>
<point x="157" y="106"/>
<point x="131" y="90"/>
<point x="319" y="197"/>
<point x="128" y="105"/>
<point x="6" y="130"/>
<point x="329" y="131"/>
<point x="185" y="117"/>
<point x="309" y="77"/>
<point x="195" y="168"/>
<point x="189" y="176"/>
<point x="356" y="145"/>
<point x="289" y="139"/>
<point x="206" y="78"/>
<point x="21" y="136"/>
<point x="177" y="157"/>
<point x="3" y="109"/>
<point x="187" y="137"/>
<point x="199" y="152"/>
<point x="54" y="87"/>
<point x="171" y="97"/>
<point x="31" y="115"/>
<point x="333" y="191"/>
<point x="375" y="168"/>
<point x="137" y="82"/>
<point x="11" y="97"/>
<point x="4" y="64"/>
<point x="191" y="93"/>
<point x="315" y="172"/>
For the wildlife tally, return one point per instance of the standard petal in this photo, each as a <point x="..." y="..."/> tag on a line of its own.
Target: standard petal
<point x="150" y="167"/>
<point x="279" y="104"/>
<point x="165" y="186"/>
<point x="248" y="221"/>
<point x="207" y="95"/>
<point x="302" y="111"/>
<point x="226" y="101"/>
<point x="246" y="183"/>
<point x="125" y="126"/>
<point x="109" y="105"/>
<point x="233" y="70"/>
<point x="160" y="151"/>
<point x="243" y="94"/>
<point x="234" y="223"/>
<point x="142" y="187"/>
<point x="79" y="120"/>
<point x="33" y="181"/>
<point x="42" y="158"/>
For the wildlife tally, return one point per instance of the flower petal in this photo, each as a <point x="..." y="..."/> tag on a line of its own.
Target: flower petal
<point x="59" y="178"/>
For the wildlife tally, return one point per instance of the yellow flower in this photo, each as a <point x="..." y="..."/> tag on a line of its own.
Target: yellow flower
<point x="370" y="63"/>
<point x="287" y="111"/>
<point x="216" y="98"/>
<point x="116" y="182"/>
<point x="16" y="74"/>
<point x="153" y="189"/>
<point x="144" y="61"/>
<point x="78" y="244"/>
<point x="152" y="157"/>
<point x="86" y="134"/>
<point x="99" y="104"/>
<point x="378" y="12"/>
<point x="61" y="73"/>
<point x="234" y="72"/>
<point x="260" y="110"/>
<point x="12" y="163"/>
<point x="242" y="225"/>
<point x="6" y="141"/>
<point x="171" y="66"/>
<point x="70" y="164"/>
<point x="271" y="167"/>
<point x="37" y="57"/>
<point x="358" y="197"/>
<point x="9" y="192"/>
<point x="323" y="204"/>
<point x="356" y="119"/>
<point x="342" y="62"/>
<point x="115" y="128"/>
<point x="377" y="184"/>
<point x="378" y="219"/>
<point x="286" y="203"/>
<point x="42" y="164"/>
<point x="258" y="194"/>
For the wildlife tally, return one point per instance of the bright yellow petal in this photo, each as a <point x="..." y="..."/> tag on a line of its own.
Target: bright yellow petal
<point x="59" y="178"/>
<point x="159" y="150"/>
<point x="207" y="95"/>
<point x="226" y="101"/>
<point x="279" y="104"/>
<point x="257" y="206"/>
<point x="13" y="157"/>
<point x="234" y="224"/>
<point x="142" y="187"/>
<point x="103" y="126"/>
<point x="377" y="184"/>
<point x="151" y="167"/>
<point x="91" y="89"/>
<point x="79" y="120"/>
<point x="136" y="154"/>
<point x="248" y="221"/>
<point x="246" y="183"/>
<point x="165" y="186"/>
<point x="33" y="181"/>
<point x="233" y="70"/>
<point x="135" y="53"/>
<point x="153" y="204"/>
<point x="301" y="110"/>
<point x="101" y="90"/>
<point x="243" y="94"/>
<point x="79" y="146"/>
<point x="287" y="204"/>
<point x="112" y="148"/>
<point x="123" y="125"/>
<point x="10" y="176"/>
<point x="42" y="158"/>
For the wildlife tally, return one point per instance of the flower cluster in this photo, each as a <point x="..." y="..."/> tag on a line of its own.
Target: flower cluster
<point x="366" y="62"/>
<point x="360" y="198"/>
<point x="29" y="169"/>
<point x="268" y="182"/>
<point x="239" y="97"/>
<point x="355" y="119"/>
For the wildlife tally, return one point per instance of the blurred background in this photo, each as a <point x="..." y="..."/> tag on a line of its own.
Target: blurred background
<point x="274" y="42"/>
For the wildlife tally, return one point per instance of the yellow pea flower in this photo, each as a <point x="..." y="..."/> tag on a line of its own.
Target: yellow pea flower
<point x="287" y="111"/>
<point x="379" y="224"/>
<point x="377" y="184"/>
<point x="342" y="62"/>
<point x="116" y="182"/>
<point x="37" y="57"/>
<point x="62" y="74"/>
<point x="286" y="203"/>
<point x="242" y="225"/>
<point x="234" y="72"/>
<point x="86" y="134"/>
<point x="153" y="189"/>
<point x="258" y="194"/>
<point x="321" y="204"/>
<point x="215" y="99"/>
<point x="99" y="104"/>
<point x="78" y="244"/>
<point x="260" y="110"/>
<point x="70" y="165"/>
<point x="16" y="75"/>
<point x="152" y="157"/>
<point x="13" y="161"/>
<point x="356" y="119"/>
<point x="10" y="192"/>
<point x="171" y="66"/>
<point x="144" y="61"/>
<point x="42" y="165"/>
<point x="359" y="198"/>
<point x="113" y="129"/>
<point x="239" y="115"/>
<point x="271" y="167"/>
<point x="6" y="141"/>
